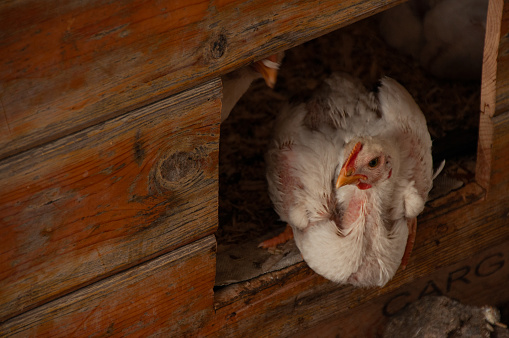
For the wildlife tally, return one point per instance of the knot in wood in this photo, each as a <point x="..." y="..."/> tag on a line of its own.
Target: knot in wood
<point x="219" y="46"/>
<point x="178" y="169"/>
<point x="178" y="166"/>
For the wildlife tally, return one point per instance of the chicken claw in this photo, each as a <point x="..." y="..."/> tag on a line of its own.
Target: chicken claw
<point x="412" y="229"/>
<point x="283" y="237"/>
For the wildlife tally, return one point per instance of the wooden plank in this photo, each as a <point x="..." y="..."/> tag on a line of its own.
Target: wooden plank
<point x="108" y="197"/>
<point x="495" y="84"/>
<point x="286" y="302"/>
<point x="499" y="183"/>
<point x="501" y="13"/>
<point x="67" y="66"/>
<point x="169" y="295"/>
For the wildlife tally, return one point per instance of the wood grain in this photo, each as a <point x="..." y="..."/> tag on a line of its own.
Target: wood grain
<point x="167" y="296"/>
<point x="105" y="204"/>
<point x="495" y="84"/>
<point x="65" y="67"/>
<point x="499" y="177"/>
<point x="110" y="196"/>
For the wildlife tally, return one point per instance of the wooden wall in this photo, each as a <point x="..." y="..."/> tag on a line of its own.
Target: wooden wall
<point x="67" y="66"/>
<point x="108" y="197"/>
<point x="109" y="138"/>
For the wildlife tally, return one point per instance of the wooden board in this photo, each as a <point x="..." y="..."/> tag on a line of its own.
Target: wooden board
<point x="294" y="300"/>
<point x="67" y="66"/>
<point x="167" y="296"/>
<point x="118" y="193"/>
<point x="495" y="86"/>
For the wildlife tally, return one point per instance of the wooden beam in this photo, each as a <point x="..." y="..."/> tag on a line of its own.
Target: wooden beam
<point x="65" y="67"/>
<point x="168" y="296"/>
<point x="111" y="196"/>
<point x="495" y="86"/>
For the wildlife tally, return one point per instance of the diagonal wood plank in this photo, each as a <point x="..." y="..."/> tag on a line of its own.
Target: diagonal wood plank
<point x="471" y="281"/>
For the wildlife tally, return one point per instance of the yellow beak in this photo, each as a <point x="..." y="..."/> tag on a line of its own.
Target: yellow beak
<point x="347" y="177"/>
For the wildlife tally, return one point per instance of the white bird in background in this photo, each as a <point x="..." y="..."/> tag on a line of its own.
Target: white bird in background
<point x="445" y="36"/>
<point x="236" y="83"/>
<point x="349" y="171"/>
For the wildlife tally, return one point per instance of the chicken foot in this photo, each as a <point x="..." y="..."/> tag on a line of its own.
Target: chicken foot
<point x="283" y="237"/>
<point x="412" y="230"/>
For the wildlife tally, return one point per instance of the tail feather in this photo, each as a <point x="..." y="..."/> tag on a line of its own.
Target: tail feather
<point x="439" y="170"/>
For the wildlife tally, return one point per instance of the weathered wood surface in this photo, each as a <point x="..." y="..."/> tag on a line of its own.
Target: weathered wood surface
<point x="108" y="197"/>
<point x="169" y="296"/>
<point x="495" y="84"/>
<point x="463" y="235"/>
<point x="67" y="66"/>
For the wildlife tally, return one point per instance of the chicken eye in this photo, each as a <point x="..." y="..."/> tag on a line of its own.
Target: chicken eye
<point x="374" y="162"/>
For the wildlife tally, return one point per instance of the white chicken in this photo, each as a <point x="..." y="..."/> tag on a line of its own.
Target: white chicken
<point x="236" y="83"/>
<point x="349" y="171"/>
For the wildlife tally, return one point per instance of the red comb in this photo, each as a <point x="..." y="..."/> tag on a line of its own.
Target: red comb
<point x="353" y="155"/>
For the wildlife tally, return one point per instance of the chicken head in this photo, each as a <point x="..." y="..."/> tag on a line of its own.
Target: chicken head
<point x="367" y="164"/>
